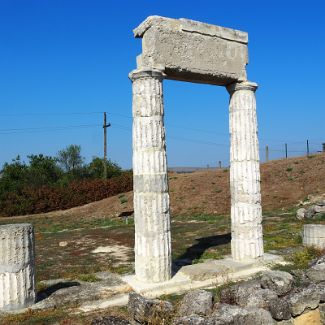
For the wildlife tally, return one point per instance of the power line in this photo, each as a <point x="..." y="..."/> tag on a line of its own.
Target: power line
<point x="50" y="129"/>
<point x="50" y="114"/>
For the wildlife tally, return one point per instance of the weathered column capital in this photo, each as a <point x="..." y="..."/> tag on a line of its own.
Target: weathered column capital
<point x="144" y="73"/>
<point x="245" y="85"/>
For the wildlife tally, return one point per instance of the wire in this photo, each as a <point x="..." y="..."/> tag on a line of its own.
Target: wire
<point x="52" y="114"/>
<point x="46" y="129"/>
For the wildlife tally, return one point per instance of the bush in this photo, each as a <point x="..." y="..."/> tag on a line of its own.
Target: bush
<point x="29" y="200"/>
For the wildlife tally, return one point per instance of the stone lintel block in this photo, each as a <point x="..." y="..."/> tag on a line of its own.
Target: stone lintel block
<point x="193" y="51"/>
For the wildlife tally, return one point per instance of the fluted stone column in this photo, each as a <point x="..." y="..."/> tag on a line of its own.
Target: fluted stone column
<point x="151" y="198"/>
<point x="17" y="269"/>
<point x="246" y="211"/>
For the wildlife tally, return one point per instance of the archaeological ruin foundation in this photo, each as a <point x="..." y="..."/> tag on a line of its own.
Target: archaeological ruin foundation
<point x="186" y="50"/>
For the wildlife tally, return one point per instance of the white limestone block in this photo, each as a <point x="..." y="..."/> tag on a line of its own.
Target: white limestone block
<point x="314" y="235"/>
<point x="17" y="266"/>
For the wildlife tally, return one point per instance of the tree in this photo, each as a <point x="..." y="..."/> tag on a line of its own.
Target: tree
<point x="43" y="170"/>
<point x="70" y="159"/>
<point x="13" y="175"/>
<point x="96" y="168"/>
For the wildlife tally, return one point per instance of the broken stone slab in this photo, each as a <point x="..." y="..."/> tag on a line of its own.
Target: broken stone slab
<point x="17" y="266"/>
<point x="314" y="235"/>
<point x="256" y="316"/>
<point x="278" y="281"/>
<point x="224" y="314"/>
<point x="303" y="300"/>
<point x="238" y="293"/>
<point x="204" y="271"/>
<point x="322" y="313"/>
<point x="308" y="318"/>
<point x="316" y="273"/>
<point x="321" y="290"/>
<point x="301" y="214"/>
<point x="110" y="320"/>
<point x="286" y="322"/>
<point x="319" y="208"/>
<point x="197" y="302"/>
<point x="261" y="298"/>
<point x="280" y="309"/>
<point x="144" y="310"/>
<point x="193" y="51"/>
<point x="190" y="320"/>
<point x="63" y="292"/>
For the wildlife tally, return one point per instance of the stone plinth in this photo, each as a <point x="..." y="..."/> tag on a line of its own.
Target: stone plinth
<point x="314" y="235"/>
<point x="193" y="51"/>
<point x="17" y="266"/>
<point x="246" y="211"/>
<point x="151" y="198"/>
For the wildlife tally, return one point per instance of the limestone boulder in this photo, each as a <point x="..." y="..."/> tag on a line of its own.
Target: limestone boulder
<point x="310" y="212"/>
<point x="278" y="281"/>
<point x="280" y="309"/>
<point x="301" y="214"/>
<point x="311" y="317"/>
<point x="316" y="272"/>
<point x="224" y="314"/>
<point x="110" y="320"/>
<point x="286" y="322"/>
<point x="198" y="302"/>
<point x="300" y="277"/>
<point x="143" y="310"/>
<point x="322" y="313"/>
<point x="256" y="316"/>
<point x="238" y="293"/>
<point x="189" y="320"/>
<point x="321" y="291"/>
<point x="318" y="261"/>
<point x="261" y="298"/>
<point x="303" y="300"/>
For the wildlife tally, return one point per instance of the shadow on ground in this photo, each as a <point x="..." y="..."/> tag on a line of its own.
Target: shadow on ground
<point x="43" y="294"/>
<point x="196" y="251"/>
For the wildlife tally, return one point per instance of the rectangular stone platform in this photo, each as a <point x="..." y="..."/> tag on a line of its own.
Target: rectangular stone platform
<point x="203" y="275"/>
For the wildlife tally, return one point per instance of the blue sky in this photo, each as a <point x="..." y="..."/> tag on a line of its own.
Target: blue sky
<point x="61" y="62"/>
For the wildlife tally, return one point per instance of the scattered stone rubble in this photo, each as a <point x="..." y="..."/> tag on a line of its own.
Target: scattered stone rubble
<point x="311" y="212"/>
<point x="276" y="297"/>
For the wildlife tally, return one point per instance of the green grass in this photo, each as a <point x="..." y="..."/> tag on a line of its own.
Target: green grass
<point x="87" y="277"/>
<point x="123" y="198"/>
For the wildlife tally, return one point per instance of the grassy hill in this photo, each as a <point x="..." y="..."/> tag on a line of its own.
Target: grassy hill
<point x="284" y="183"/>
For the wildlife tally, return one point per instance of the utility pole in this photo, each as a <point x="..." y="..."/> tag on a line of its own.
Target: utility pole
<point x="105" y="126"/>
<point x="286" y="146"/>
<point x="307" y="148"/>
<point x="267" y="153"/>
<point x="219" y="164"/>
<point x="323" y="145"/>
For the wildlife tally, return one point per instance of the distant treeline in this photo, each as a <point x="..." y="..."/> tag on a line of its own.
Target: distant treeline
<point x="48" y="183"/>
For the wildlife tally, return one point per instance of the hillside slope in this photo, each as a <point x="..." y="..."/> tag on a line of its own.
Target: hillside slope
<point x="284" y="184"/>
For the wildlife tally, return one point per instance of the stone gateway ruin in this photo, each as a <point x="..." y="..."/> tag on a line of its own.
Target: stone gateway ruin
<point x="186" y="50"/>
